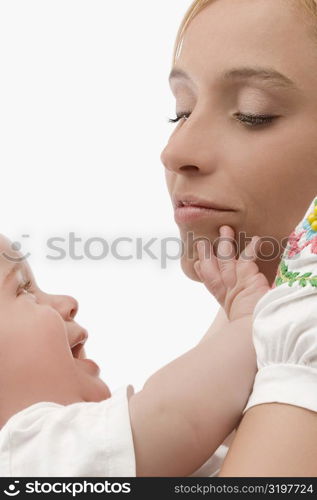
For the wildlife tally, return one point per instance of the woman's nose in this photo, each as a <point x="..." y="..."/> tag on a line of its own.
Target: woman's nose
<point x="189" y="152"/>
<point x="178" y="164"/>
<point x="66" y="305"/>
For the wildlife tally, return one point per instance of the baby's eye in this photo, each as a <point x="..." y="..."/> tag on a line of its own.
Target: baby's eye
<point x="24" y="287"/>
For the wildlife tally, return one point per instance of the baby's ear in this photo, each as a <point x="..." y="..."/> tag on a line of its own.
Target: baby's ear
<point x="299" y="260"/>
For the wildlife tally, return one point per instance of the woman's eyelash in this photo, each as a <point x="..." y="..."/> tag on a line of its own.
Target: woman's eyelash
<point x="254" y="120"/>
<point x="178" y="117"/>
<point x="249" y="120"/>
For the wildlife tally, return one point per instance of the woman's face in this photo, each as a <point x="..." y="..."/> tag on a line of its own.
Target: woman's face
<point x="264" y="171"/>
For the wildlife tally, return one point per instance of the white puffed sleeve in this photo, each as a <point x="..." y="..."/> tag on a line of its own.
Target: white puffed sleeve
<point x="285" y="325"/>
<point x="81" y="439"/>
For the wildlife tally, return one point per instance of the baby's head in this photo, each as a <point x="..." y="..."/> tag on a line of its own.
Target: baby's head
<point x="42" y="355"/>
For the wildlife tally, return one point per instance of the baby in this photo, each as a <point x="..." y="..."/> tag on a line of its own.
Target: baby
<point x="58" y="418"/>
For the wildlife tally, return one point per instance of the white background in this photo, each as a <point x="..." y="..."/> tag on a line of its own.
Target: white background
<point x="84" y="103"/>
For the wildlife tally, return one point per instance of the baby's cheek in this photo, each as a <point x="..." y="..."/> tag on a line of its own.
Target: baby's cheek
<point x="51" y="323"/>
<point x="51" y="335"/>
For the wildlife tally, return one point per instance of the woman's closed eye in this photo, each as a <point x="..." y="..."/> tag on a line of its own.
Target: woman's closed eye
<point x="252" y="120"/>
<point x="249" y="120"/>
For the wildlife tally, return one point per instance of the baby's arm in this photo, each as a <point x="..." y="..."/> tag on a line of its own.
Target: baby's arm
<point x="188" y="408"/>
<point x="221" y="321"/>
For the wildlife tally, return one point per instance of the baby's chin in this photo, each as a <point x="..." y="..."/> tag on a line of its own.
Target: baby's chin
<point x="103" y="391"/>
<point x="93" y="388"/>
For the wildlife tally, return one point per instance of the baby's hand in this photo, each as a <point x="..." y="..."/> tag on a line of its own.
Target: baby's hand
<point x="236" y="284"/>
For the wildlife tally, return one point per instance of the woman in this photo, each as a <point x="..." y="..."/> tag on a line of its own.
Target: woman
<point x="244" y="78"/>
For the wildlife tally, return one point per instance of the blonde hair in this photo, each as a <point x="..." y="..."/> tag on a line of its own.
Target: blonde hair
<point x="198" y="5"/>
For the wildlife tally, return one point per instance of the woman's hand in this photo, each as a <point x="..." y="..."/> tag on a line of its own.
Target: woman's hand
<point x="237" y="284"/>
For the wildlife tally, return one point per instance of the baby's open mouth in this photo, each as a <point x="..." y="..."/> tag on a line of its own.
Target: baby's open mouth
<point x="78" y="344"/>
<point x="76" y="350"/>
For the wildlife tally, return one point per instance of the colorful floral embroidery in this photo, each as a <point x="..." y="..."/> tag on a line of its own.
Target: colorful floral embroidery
<point x="286" y="276"/>
<point x="305" y="234"/>
<point x="293" y="246"/>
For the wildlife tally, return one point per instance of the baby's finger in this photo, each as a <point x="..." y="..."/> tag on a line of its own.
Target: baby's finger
<point x="209" y="269"/>
<point x="197" y="270"/>
<point x="226" y="255"/>
<point x="249" y="253"/>
<point x="246" y="265"/>
<point x="208" y="260"/>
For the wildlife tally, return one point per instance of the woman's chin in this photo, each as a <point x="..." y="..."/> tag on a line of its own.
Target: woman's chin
<point x="188" y="269"/>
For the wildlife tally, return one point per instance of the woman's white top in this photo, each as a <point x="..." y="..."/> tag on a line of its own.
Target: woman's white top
<point x="285" y="325"/>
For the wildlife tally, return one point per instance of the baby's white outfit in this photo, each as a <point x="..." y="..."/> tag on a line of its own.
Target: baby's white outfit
<point x="81" y="439"/>
<point x="95" y="439"/>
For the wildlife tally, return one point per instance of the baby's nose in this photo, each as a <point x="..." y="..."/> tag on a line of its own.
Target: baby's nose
<point x="72" y="307"/>
<point x="66" y="305"/>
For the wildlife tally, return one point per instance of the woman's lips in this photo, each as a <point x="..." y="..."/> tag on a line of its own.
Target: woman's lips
<point x="189" y="213"/>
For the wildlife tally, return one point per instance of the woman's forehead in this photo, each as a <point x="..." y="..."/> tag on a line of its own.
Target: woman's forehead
<point x="230" y="33"/>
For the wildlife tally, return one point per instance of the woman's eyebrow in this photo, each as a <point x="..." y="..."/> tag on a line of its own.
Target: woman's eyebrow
<point x="179" y="74"/>
<point x="270" y="75"/>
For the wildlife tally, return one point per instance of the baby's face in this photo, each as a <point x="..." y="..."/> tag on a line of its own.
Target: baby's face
<point x="41" y="346"/>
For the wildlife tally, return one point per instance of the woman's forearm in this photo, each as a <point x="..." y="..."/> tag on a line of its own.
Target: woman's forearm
<point x="273" y="440"/>
<point x="188" y="407"/>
